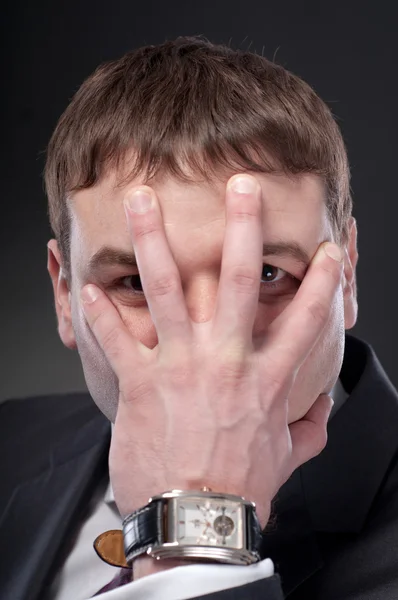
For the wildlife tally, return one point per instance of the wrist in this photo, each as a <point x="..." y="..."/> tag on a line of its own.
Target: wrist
<point x="146" y="565"/>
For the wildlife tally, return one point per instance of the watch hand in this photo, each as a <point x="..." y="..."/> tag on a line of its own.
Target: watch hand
<point x="197" y="523"/>
<point x="204" y="533"/>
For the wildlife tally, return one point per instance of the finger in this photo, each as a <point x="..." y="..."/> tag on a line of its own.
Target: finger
<point x="159" y="274"/>
<point x="121" y="349"/>
<point x="309" y="435"/>
<point x="293" y="334"/>
<point x="240" y="278"/>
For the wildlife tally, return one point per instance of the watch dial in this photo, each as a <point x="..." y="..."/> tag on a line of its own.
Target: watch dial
<point x="209" y="522"/>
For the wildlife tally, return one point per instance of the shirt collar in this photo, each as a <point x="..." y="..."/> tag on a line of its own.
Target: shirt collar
<point x="339" y="396"/>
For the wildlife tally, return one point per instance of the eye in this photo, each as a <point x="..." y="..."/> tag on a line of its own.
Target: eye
<point x="270" y="274"/>
<point x="132" y="282"/>
<point x="275" y="279"/>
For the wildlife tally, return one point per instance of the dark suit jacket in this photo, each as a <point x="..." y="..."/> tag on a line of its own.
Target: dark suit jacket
<point x="336" y="530"/>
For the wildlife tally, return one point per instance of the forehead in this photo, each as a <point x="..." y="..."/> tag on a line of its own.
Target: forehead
<point x="194" y="214"/>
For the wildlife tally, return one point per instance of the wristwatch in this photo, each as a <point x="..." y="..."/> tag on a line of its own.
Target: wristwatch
<point x="200" y="525"/>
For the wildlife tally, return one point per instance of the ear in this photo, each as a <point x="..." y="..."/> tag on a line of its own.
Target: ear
<point x="62" y="295"/>
<point x="350" y="282"/>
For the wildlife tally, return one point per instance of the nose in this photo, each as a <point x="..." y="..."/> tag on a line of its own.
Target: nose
<point x="201" y="295"/>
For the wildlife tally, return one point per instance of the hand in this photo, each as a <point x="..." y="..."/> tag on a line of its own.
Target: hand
<point x="205" y="407"/>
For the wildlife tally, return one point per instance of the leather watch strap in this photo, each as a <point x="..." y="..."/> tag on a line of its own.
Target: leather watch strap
<point x="254" y="531"/>
<point x="142" y="529"/>
<point x="109" y="547"/>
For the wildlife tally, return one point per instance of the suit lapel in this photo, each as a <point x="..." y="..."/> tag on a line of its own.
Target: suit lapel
<point x="290" y="539"/>
<point x="44" y="512"/>
<point x="334" y="492"/>
<point x="342" y="482"/>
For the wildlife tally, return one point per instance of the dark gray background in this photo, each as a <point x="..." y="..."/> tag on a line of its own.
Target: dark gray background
<point x="347" y="52"/>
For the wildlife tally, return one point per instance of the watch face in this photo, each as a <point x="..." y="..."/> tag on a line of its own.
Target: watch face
<point x="202" y="521"/>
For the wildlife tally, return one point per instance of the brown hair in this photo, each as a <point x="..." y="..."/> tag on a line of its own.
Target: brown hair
<point x="190" y="106"/>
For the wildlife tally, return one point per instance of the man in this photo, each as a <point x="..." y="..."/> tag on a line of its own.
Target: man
<point x="204" y="268"/>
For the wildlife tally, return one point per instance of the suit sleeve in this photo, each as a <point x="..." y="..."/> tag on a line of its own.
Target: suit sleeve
<point x="204" y="581"/>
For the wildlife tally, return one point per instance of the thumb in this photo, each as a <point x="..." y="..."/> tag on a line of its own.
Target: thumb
<point x="309" y="434"/>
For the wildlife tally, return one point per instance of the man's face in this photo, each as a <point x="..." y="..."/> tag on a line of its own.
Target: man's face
<point x="194" y="218"/>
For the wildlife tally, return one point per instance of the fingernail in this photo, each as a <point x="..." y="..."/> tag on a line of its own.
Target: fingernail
<point x="244" y="185"/>
<point x="333" y="251"/>
<point x="89" y="294"/>
<point x="139" y="202"/>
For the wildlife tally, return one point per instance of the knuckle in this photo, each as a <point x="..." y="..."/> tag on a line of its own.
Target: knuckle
<point x="134" y="390"/>
<point x="332" y="271"/>
<point x="248" y="212"/>
<point x="163" y="284"/>
<point x="332" y="267"/>
<point x="110" y="342"/>
<point x="244" y="279"/>
<point x="245" y="216"/>
<point x="180" y="374"/>
<point x="318" y="310"/>
<point x="144" y="229"/>
<point x="230" y="370"/>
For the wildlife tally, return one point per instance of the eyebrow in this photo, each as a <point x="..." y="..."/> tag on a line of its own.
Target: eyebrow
<point x="288" y="249"/>
<point x="109" y="256"/>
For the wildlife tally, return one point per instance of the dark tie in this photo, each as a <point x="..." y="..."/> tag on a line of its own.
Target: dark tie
<point x="121" y="578"/>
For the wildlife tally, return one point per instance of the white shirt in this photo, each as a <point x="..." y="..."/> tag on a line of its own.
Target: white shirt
<point x="84" y="573"/>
